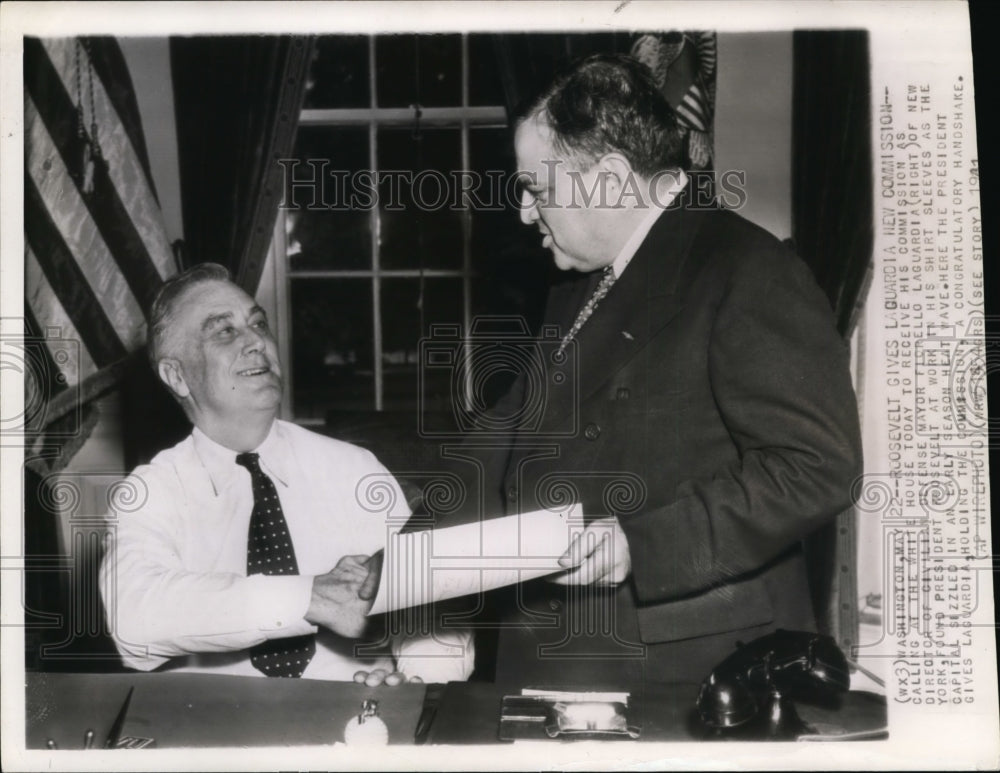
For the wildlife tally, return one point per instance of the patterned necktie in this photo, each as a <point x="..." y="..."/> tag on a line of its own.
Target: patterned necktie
<point x="270" y="551"/>
<point x="588" y="308"/>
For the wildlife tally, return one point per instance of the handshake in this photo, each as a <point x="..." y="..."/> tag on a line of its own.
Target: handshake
<point x="340" y="601"/>
<point x="342" y="597"/>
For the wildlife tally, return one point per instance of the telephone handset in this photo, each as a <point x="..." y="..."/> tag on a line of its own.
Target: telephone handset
<point x="752" y="688"/>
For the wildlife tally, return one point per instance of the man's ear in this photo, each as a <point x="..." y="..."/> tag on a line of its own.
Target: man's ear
<point x="618" y="172"/>
<point x="172" y="374"/>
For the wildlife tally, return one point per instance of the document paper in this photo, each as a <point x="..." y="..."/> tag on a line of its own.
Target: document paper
<point x="425" y="566"/>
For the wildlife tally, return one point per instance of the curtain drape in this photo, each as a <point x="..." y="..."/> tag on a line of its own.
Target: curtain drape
<point x="833" y="232"/>
<point x="237" y="101"/>
<point x="831" y="164"/>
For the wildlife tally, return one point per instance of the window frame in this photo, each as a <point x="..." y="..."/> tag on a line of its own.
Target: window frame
<point x="374" y="118"/>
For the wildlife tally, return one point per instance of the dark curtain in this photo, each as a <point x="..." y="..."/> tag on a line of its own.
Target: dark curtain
<point x="833" y="232"/>
<point x="832" y="164"/>
<point x="237" y="101"/>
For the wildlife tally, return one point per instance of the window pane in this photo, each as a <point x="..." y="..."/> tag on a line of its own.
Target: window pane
<point x="332" y="364"/>
<point x="484" y="72"/>
<point x="325" y="228"/>
<point x="418" y="227"/>
<point x="512" y="266"/>
<point x="419" y="69"/>
<point x="409" y="308"/>
<point x="339" y="73"/>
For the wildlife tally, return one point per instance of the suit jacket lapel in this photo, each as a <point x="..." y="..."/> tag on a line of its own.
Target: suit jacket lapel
<point x="647" y="297"/>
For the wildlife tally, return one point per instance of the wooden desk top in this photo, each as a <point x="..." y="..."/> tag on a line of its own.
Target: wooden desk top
<point x="199" y="710"/>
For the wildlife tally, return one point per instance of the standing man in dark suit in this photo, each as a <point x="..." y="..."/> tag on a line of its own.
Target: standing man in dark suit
<point x="704" y="415"/>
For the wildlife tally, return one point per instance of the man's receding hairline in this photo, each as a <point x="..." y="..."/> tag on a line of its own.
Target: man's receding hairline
<point x="175" y="308"/>
<point x="560" y="154"/>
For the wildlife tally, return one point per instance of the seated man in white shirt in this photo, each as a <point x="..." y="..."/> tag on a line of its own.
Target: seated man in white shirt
<point x="244" y="548"/>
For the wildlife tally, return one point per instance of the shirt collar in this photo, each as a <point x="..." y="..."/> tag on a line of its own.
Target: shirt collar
<point x="645" y="225"/>
<point x="219" y="462"/>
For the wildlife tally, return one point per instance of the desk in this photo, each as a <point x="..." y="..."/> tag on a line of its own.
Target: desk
<point x="200" y="710"/>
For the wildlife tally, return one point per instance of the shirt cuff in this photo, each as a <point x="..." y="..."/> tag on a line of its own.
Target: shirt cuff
<point x="279" y="604"/>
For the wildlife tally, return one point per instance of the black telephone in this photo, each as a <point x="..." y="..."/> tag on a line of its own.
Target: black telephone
<point x="750" y="692"/>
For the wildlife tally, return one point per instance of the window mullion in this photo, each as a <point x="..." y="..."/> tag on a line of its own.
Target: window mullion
<point x="466" y="225"/>
<point x="375" y="226"/>
<point x="485" y="115"/>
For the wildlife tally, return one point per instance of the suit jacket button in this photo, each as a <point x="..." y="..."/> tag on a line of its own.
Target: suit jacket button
<point x="555" y="605"/>
<point x="592" y="431"/>
<point x="622" y="393"/>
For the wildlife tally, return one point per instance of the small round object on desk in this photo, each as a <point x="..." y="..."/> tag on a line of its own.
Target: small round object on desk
<point x="360" y="676"/>
<point x="394" y="678"/>
<point x="371" y="732"/>
<point x="367" y="728"/>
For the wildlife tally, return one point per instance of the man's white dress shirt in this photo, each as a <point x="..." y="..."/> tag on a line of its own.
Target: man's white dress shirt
<point x="174" y="579"/>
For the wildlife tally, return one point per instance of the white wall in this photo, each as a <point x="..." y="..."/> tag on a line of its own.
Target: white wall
<point x="148" y="61"/>
<point x="753" y="123"/>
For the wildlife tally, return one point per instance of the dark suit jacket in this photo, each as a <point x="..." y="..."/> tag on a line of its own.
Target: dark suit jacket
<point x="708" y="404"/>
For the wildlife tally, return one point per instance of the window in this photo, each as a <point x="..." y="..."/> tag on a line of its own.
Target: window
<point x="380" y="237"/>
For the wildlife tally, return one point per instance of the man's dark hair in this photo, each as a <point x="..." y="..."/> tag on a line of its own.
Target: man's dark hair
<point x="161" y="312"/>
<point x="609" y="102"/>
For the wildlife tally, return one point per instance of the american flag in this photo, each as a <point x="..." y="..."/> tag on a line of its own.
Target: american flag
<point x="684" y="65"/>
<point x="96" y="249"/>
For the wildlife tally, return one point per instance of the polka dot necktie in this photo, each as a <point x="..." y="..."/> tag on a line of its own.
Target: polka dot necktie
<point x="600" y="291"/>
<point x="270" y="551"/>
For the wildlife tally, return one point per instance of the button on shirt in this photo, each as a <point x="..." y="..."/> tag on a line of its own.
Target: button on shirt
<point x="174" y="579"/>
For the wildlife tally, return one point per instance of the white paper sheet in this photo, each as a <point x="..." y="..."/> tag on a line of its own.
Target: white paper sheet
<point x="425" y="566"/>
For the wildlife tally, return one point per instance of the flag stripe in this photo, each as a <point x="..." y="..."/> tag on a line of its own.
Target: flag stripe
<point x="124" y="166"/>
<point x="49" y="314"/>
<point x="106" y="208"/>
<point x="68" y="211"/>
<point x="705" y="45"/>
<point x="97" y="333"/>
<point x="109" y="65"/>
<point x="692" y="110"/>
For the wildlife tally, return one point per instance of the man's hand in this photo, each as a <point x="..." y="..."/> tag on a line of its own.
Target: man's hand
<point x="599" y="555"/>
<point x="342" y="597"/>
